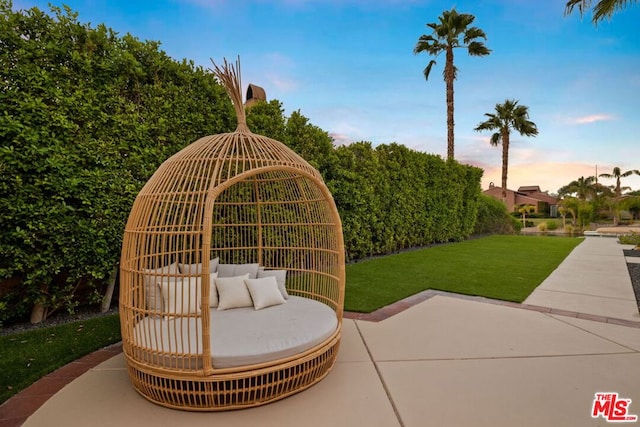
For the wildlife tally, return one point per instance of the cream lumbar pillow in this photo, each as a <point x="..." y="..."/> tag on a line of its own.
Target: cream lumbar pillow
<point x="235" y="270"/>
<point x="264" y="292"/>
<point x="232" y="292"/>
<point x="182" y="296"/>
<point x="194" y="269"/>
<point x="152" y="280"/>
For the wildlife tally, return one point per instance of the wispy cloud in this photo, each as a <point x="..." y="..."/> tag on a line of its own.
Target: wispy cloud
<point x="278" y="68"/>
<point x="340" y="139"/>
<point x="274" y="72"/>
<point x="592" y="118"/>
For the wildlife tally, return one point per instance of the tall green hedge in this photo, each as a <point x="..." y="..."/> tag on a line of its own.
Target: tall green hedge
<point x="88" y="116"/>
<point x="391" y="197"/>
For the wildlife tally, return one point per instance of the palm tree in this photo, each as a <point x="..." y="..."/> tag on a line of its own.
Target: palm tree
<point x="617" y="174"/>
<point x="602" y="9"/>
<point x="445" y="37"/>
<point x="583" y="188"/>
<point x="508" y="116"/>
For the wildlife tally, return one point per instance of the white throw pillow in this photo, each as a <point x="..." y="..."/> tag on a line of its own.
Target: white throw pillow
<point x="281" y="278"/>
<point x="182" y="295"/>
<point x="264" y="292"/>
<point x="194" y="269"/>
<point x="213" y="290"/>
<point x="235" y="270"/>
<point x="152" y="279"/>
<point x="233" y="293"/>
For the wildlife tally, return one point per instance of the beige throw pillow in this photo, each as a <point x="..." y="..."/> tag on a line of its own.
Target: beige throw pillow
<point x="281" y="278"/>
<point x="264" y="292"/>
<point x="232" y="292"/>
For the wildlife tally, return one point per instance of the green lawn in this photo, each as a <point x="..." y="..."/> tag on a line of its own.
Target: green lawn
<point x="26" y="357"/>
<point x="502" y="267"/>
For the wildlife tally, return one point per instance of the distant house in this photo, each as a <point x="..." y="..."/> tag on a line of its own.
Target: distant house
<point x="541" y="201"/>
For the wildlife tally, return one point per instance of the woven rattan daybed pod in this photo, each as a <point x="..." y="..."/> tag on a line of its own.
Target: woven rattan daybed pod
<point x="232" y="273"/>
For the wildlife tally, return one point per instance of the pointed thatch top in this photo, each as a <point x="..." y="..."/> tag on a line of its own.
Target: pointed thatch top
<point x="215" y="159"/>
<point x="229" y="76"/>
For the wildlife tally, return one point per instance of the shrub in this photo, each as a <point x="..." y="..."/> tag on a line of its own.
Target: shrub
<point x="493" y="218"/>
<point x="543" y="226"/>
<point x="630" y="239"/>
<point x="551" y="225"/>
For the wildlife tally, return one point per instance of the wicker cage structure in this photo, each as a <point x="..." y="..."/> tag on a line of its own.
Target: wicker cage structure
<point x="237" y="199"/>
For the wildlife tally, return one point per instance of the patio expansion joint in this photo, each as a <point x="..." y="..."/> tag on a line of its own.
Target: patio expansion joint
<point x="587" y="295"/>
<point x="595" y="334"/>
<point x="382" y="381"/>
<point x="539" y="356"/>
<point x="404" y="304"/>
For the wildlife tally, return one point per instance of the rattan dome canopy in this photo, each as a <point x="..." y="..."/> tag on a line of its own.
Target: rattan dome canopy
<point x="238" y="198"/>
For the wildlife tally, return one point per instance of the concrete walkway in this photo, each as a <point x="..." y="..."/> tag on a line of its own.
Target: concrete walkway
<point x="594" y="279"/>
<point x="446" y="361"/>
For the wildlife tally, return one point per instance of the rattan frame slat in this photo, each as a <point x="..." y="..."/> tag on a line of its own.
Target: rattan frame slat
<point x="243" y="198"/>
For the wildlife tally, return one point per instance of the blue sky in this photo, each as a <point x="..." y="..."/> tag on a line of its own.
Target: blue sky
<point x="348" y="65"/>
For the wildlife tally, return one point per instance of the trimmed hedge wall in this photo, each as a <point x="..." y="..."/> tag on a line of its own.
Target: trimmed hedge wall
<point x="88" y="116"/>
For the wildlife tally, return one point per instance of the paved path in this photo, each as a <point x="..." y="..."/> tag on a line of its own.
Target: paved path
<point x="594" y="279"/>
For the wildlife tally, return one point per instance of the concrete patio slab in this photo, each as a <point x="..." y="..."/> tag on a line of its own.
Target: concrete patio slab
<point x="351" y="394"/>
<point x="451" y="328"/>
<point x="523" y="392"/>
<point x="352" y="348"/>
<point x="621" y="335"/>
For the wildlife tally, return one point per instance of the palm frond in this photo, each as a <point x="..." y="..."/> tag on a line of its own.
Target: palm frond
<point x="496" y="139"/>
<point x="478" y="49"/>
<point x="582" y="5"/>
<point x="427" y="69"/>
<point x="601" y="10"/>
<point x="605" y="8"/>
<point x="473" y="33"/>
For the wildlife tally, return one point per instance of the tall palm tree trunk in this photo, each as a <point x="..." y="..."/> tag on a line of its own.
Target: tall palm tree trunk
<point x="505" y="163"/>
<point x="449" y="76"/>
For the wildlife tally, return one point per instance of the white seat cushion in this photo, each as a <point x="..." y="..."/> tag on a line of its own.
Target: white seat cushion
<point x="239" y="337"/>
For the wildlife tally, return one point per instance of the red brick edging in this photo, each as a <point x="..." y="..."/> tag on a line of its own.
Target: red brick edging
<point x="15" y="411"/>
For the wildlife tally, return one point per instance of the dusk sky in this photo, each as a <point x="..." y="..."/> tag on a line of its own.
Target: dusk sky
<point x="348" y="65"/>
